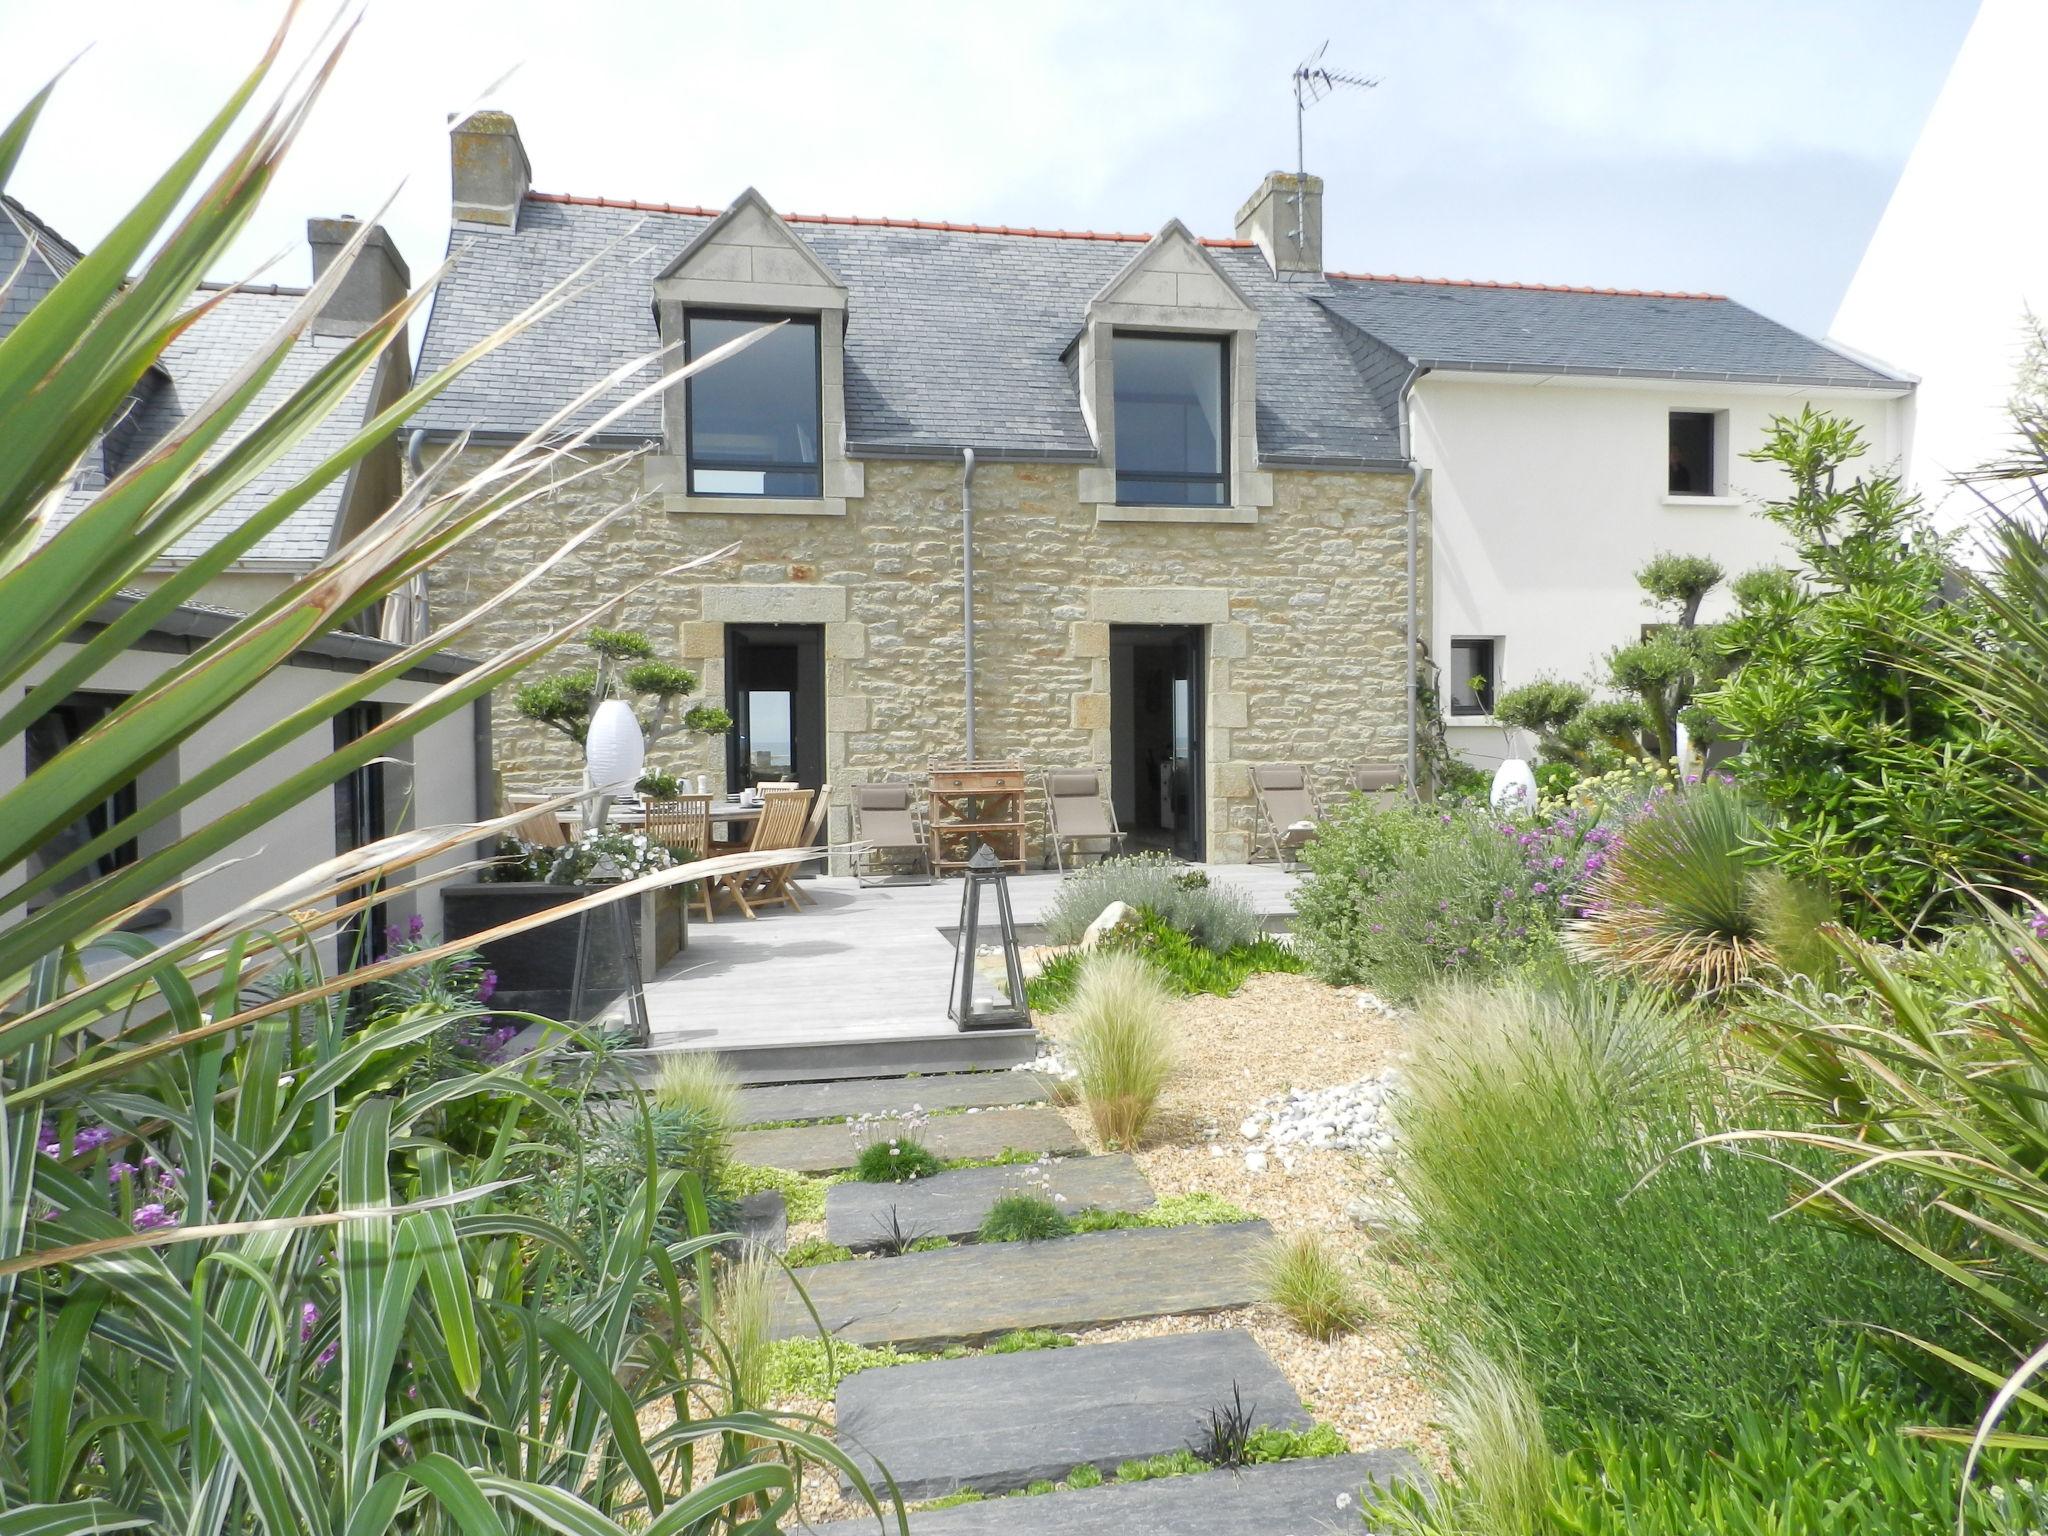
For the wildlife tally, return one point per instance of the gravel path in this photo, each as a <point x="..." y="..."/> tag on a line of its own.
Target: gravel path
<point x="1277" y="1034"/>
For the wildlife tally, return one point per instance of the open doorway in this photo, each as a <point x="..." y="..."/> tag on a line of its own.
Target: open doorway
<point x="1155" y="732"/>
<point x="775" y="693"/>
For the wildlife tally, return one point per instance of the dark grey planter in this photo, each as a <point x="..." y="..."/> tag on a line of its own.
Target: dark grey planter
<point x="537" y="969"/>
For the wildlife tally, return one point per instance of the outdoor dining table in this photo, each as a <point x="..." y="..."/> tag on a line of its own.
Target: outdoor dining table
<point x="730" y="811"/>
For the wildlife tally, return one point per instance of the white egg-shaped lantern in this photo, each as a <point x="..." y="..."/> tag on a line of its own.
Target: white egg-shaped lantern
<point x="614" y="750"/>
<point x="1514" y="788"/>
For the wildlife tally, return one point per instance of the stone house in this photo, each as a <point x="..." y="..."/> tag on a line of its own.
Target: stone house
<point x="1201" y="538"/>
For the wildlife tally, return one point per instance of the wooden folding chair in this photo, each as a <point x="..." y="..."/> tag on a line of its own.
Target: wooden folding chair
<point x="781" y="825"/>
<point x="683" y="827"/>
<point x="542" y="829"/>
<point x="814" y="834"/>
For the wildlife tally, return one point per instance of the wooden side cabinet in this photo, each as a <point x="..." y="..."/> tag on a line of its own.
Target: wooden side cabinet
<point x="976" y="803"/>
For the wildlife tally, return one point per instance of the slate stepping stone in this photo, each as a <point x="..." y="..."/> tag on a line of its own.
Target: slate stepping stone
<point x="1314" y="1497"/>
<point x="829" y="1148"/>
<point x="764" y="1219"/>
<point x="889" y="1096"/>
<point x="965" y="1295"/>
<point x="953" y="1204"/>
<point x="997" y="1423"/>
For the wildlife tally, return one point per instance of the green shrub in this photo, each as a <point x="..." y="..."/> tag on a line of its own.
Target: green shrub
<point x="1217" y="917"/>
<point x="1302" y="1275"/>
<point x="1022" y="1341"/>
<point x="1086" y="1475"/>
<point x="896" y="1162"/>
<point x="1121" y="1044"/>
<point x="1559" y="1221"/>
<point x="1023" y="1219"/>
<point x="1190" y="968"/>
<point x="1675" y="903"/>
<point x="1834" y="1459"/>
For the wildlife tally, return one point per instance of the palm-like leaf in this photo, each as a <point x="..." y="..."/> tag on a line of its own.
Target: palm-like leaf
<point x="354" y="1326"/>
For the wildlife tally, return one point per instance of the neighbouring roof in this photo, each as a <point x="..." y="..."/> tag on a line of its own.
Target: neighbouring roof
<point x="50" y="256"/>
<point x="191" y="368"/>
<point x="188" y="626"/>
<point x="954" y="333"/>
<point x="1520" y="328"/>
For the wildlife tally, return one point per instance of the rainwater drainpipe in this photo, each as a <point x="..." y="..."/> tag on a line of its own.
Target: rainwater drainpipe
<point x="967" y="583"/>
<point x="1414" y="600"/>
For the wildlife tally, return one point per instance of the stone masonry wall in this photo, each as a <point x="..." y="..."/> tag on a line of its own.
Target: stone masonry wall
<point x="1304" y="613"/>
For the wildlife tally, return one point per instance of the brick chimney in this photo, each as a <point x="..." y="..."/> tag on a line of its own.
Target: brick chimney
<point x="377" y="280"/>
<point x="1268" y="220"/>
<point x="491" y="171"/>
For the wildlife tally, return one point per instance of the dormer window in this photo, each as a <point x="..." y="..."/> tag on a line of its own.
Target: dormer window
<point x="1172" y="404"/>
<point x="755" y="420"/>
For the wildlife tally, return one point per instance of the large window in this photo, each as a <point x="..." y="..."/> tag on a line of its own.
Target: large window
<point x="1473" y="675"/>
<point x="754" y="420"/>
<point x="1171" y="421"/>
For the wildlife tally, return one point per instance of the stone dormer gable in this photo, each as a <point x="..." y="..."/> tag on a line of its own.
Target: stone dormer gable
<point x="750" y="258"/>
<point x="1174" y="283"/>
<point x="749" y="261"/>
<point x="1174" y="287"/>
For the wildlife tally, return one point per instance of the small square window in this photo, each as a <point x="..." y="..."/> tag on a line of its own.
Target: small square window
<point x="1473" y="676"/>
<point x="1693" y="454"/>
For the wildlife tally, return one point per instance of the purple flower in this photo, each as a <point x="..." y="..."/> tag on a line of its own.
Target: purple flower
<point x="118" y="1171"/>
<point x="392" y="937"/>
<point x="309" y="1316"/>
<point x="91" y="1137"/>
<point x="1541" y="888"/>
<point x="486" y="986"/>
<point x="415" y="926"/>
<point x="326" y="1356"/>
<point x="149" y="1217"/>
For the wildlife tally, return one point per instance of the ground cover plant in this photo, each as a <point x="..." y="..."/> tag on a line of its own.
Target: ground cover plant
<point x="1024" y="1218"/>
<point x="895" y="1161"/>
<point x="1188" y="966"/>
<point x="1120" y="1044"/>
<point x="338" y="1309"/>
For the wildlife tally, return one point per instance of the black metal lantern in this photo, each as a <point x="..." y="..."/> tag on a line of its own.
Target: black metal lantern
<point x="985" y="995"/>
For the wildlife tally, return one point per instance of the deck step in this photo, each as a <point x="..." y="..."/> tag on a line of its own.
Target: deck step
<point x="1285" y="1498"/>
<point x="953" y="1204"/>
<point x="830" y="1148"/>
<point x="889" y="1095"/>
<point x="997" y="1423"/>
<point x="967" y="1295"/>
<point x="830" y="1059"/>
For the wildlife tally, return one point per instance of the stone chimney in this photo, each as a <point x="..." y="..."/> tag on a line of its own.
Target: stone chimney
<point x="377" y="280"/>
<point x="491" y="171"/>
<point x="1268" y="220"/>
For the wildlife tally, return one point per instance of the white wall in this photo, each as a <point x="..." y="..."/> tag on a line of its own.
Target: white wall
<point x="1548" y="493"/>
<point x="438" y="788"/>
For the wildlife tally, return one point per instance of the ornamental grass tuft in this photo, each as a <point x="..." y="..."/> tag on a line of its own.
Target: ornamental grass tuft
<point x="1305" y="1277"/>
<point x="1024" y="1219"/>
<point x="1122" y="1044"/>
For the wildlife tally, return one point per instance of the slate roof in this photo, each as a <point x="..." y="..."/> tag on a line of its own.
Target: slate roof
<point x="954" y="337"/>
<point x="192" y="367"/>
<point x="1513" y="328"/>
<point x="50" y="257"/>
<point x="956" y="334"/>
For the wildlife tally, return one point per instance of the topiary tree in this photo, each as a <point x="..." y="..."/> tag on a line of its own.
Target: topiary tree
<point x="1654" y="681"/>
<point x="627" y="668"/>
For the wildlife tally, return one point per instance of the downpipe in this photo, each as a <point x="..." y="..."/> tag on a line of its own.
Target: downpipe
<point x="967" y="588"/>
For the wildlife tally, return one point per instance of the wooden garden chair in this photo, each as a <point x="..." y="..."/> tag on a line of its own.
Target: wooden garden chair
<point x="683" y="827"/>
<point x="1078" y="812"/>
<point x="542" y="829"/>
<point x="1287" y="808"/>
<point x="781" y="826"/>
<point x="814" y="837"/>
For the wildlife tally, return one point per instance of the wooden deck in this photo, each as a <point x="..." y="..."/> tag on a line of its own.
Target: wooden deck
<point x="858" y="965"/>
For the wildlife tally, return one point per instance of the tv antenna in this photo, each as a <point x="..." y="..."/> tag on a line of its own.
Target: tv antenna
<point x="1313" y="80"/>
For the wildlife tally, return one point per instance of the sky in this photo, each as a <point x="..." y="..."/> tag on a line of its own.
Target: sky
<point x="1744" y="147"/>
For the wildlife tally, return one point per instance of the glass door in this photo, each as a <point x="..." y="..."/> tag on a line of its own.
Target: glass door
<point x="775" y="693"/>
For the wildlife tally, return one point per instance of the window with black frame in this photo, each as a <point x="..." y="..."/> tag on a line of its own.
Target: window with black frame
<point x="754" y="420"/>
<point x="1171" y="421"/>
<point x="1472" y="675"/>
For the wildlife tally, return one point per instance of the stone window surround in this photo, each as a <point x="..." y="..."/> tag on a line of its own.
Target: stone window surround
<point x="1226" y="710"/>
<point x="1132" y="302"/>
<point x="702" y="646"/>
